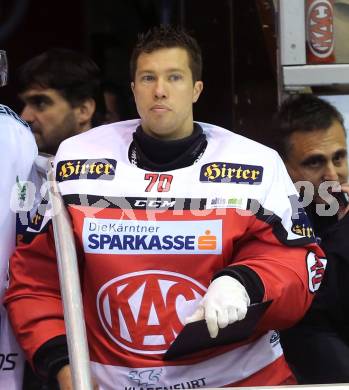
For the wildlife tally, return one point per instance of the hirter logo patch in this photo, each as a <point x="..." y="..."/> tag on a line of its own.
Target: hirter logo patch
<point x="223" y="172"/>
<point x="103" y="169"/>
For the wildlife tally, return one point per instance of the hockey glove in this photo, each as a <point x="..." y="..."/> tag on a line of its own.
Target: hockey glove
<point x="225" y="302"/>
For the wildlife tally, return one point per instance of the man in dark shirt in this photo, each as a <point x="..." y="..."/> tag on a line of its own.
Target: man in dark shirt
<point x="311" y="139"/>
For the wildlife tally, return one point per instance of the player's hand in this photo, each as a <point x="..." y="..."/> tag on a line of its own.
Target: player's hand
<point x="65" y="380"/>
<point x="225" y="302"/>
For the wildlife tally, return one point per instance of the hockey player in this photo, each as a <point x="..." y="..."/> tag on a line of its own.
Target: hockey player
<point x="175" y="221"/>
<point x="18" y="151"/>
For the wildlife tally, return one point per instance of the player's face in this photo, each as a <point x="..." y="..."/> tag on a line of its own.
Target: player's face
<point x="318" y="156"/>
<point x="51" y="117"/>
<point x="164" y="93"/>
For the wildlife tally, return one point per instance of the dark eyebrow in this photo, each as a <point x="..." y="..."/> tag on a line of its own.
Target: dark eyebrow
<point x="176" y="70"/>
<point x="146" y="71"/>
<point x="313" y="159"/>
<point x="171" y="70"/>
<point x="37" y="99"/>
<point x="341" y="152"/>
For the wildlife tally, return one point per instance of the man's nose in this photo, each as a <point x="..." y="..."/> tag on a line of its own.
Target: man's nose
<point x="27" y="114"/>
<point x="160" y="91"/>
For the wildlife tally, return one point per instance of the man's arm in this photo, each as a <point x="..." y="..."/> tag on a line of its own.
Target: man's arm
<point x="283" y="252"/>
<point x="277" y="259"/>
<point x="17" y="153"/>
<point x="33" y="299"/>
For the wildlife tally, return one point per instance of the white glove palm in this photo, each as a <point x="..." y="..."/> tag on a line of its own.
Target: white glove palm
<point x="225" y="302"/>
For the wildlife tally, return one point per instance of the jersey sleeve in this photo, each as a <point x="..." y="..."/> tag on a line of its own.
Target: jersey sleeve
<point x="18" y="151"/>
<point x="17" y="142"/>
<point x="281" y="250"/>
<point x="33" y="299"/>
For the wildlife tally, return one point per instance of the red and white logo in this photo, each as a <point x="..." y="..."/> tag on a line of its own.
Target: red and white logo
<point x="316" y="270"/>
<point x="144" y="311"/>
<point x="320" y="34"/>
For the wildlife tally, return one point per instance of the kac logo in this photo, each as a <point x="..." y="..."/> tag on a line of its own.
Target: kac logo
<point x="316" y="270"/>
<point x="320" y="34"/>
<point x="144" y="311"/>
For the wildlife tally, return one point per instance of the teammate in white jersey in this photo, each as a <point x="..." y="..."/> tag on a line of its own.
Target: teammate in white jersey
<point x="17" y="153"/>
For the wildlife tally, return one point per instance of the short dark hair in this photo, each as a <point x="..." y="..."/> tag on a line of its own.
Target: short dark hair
<point x="304" y="112"/>
<point x="165" y="36"/>
<point x="73" y="74"/>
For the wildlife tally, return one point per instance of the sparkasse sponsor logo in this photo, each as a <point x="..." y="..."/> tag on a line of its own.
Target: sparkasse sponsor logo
<point x="109" y="236"/>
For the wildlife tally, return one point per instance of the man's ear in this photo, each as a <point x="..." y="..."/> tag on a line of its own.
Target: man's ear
<point x="133" y="87"/>
<point x="84" y="111"/>
<point x="198" y="87"/>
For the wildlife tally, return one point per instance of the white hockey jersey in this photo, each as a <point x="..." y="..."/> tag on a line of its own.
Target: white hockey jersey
<point x="17" y="153"/>
<point x="149" y="244"/>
